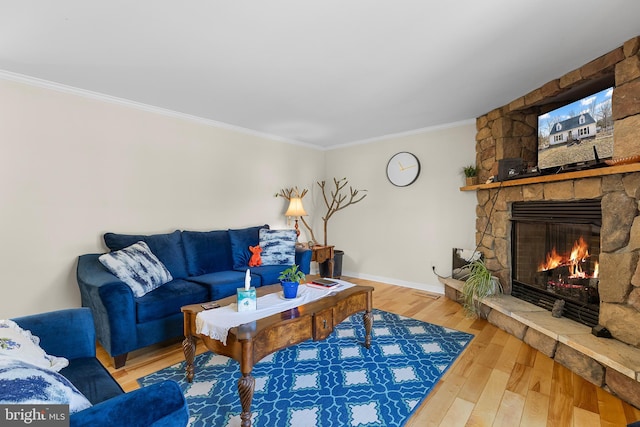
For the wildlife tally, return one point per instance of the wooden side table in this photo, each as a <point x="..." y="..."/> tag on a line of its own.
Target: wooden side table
<point x="321" y="254"/>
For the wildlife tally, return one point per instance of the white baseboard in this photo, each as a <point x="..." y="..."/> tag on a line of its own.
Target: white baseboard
<point x="436" y="289"/>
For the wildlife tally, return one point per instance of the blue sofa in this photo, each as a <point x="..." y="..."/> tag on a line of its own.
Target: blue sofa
<point x="71" y="334"/>
<point x="205" y="266"/>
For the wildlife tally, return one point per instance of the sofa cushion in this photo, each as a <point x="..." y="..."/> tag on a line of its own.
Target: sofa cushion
<point x="222" y="284"/>
<point x="303" y="259"/>
<point x="24" y="383"/>
<point x="138" y="267"/>
<point x="207" y="251"/>
<point x="241" y="239"/>
<point x="20" y="344"/>
<point x="168" y="299"/>
<point x="167" y="247"/>
<point x="92" y="379"/>
<point x="278" y="247"/>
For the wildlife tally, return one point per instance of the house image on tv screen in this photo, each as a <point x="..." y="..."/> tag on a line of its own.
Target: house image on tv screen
<point x="573" y="130"/>
<point x="577" y="134"/>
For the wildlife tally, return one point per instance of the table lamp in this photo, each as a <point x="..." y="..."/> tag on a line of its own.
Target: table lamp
<point x="296" y="210"/>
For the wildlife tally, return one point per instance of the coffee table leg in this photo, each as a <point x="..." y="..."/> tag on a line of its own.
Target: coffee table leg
<point x="246" y="385"/>
<point x="189" y="348"/>
<point x="367" y="317"/>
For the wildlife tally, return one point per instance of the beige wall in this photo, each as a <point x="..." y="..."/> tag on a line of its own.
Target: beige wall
<point x="396" y="234"/>
<point x="73" y="167"/>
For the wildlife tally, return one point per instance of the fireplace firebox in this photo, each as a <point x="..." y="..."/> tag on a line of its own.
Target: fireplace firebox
<point x="555" y="250"/>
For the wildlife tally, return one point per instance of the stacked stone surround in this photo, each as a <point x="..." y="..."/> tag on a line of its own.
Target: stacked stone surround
<point x="619" y="285"/>
<point x="511" y="131"/>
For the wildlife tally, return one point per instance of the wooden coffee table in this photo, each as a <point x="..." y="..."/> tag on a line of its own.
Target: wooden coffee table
<point x="248" y="344"/>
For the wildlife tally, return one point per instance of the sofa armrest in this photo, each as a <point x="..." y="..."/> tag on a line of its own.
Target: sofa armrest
<point x="68" y="333"/>
<point x="161" y="404"/>
<point x="112" y="303"/>
<point x="303" y="259"/>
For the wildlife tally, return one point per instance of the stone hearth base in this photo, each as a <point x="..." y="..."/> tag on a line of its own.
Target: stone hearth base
<point x="607" y="363"/>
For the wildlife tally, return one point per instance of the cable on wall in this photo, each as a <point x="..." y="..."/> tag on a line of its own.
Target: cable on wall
<point x="484" y="232"/>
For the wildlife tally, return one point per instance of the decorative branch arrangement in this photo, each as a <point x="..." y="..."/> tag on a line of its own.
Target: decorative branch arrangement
<point x="337" y="201"/>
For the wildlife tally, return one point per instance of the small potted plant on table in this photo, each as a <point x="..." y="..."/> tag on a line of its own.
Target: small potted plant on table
<point x="290" y="279"/>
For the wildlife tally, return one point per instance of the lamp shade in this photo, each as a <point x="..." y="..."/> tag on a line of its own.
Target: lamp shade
<point x="295" y="207"/>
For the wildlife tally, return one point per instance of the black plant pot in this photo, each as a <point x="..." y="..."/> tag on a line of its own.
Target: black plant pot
<point x="337" y="265"/>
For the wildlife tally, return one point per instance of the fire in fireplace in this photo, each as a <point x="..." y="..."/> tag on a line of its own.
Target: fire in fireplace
<point x="555" y="250"/>
<point x="573" y="274"/>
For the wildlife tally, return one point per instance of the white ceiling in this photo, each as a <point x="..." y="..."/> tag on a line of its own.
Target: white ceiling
<point x="321" y="72"/>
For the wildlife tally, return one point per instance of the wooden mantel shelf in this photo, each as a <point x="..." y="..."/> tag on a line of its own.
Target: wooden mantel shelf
<point x="588" y="173"/>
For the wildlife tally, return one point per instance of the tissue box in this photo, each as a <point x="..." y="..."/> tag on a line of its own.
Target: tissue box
<point x="247" y="300"/>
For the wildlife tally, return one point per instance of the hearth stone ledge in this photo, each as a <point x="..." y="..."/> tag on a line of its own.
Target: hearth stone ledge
<point x="607" y="363"/>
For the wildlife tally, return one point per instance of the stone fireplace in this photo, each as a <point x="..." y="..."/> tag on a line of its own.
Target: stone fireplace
<point x="511" y="132"/>
<point x="619" y="271"/>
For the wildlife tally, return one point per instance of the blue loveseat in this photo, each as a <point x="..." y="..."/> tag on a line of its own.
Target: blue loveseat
<point x="204" y="265"/>
<point x="71" y="334"/>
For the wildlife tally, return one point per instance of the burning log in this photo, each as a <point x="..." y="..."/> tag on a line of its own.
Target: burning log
<point x="559" y="282"/>
<point x="574" y="262"/>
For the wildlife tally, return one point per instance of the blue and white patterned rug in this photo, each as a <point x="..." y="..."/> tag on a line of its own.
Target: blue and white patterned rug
<point x="335" y="382"/>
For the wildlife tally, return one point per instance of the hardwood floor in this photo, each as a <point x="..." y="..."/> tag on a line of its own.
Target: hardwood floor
<point x="497" y="381"/>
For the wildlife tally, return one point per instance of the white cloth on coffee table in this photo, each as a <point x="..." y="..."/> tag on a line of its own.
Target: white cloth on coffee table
<point x="216" y="323"/>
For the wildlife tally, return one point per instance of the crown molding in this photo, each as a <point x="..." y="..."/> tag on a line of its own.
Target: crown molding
<point x="406" y="133"/>
<point x="59" y="87"/>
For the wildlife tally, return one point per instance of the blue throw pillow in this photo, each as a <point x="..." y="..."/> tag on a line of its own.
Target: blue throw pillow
<point x="138" y="267"/>
<point x="24" y="383"/>
<point x="278" y="247"/>
<point x="207" y="251"/>
<point x="167" y="247"/>
<point x="240" y="241"/>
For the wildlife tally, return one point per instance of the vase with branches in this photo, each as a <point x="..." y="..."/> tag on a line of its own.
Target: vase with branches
<point x="335" y="200"/>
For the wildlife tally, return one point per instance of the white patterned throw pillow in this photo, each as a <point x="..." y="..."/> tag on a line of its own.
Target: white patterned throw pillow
<point x="138" y="267"/>
<point x="20" y="344"/>
<point x="24" y="383"/>
<point x="278" y="246"/>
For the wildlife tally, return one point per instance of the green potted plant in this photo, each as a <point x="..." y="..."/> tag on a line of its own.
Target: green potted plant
<point x="471" y="174"/>
<point x="479" y="284"/>
<point x="290" y="279"/>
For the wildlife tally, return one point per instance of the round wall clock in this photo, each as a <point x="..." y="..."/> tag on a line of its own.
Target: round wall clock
<point x="403" y="169"/>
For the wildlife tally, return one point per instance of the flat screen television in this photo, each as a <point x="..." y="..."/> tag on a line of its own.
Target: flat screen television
<point x="576" y="135"/>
